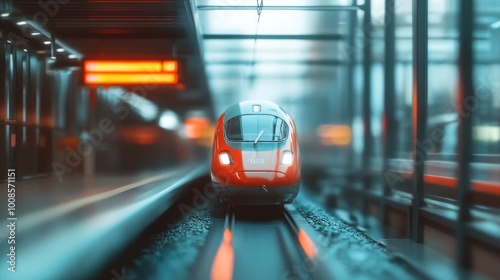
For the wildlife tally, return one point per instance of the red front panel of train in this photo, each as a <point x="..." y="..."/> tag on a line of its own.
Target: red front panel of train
<point x="254" y="166"/>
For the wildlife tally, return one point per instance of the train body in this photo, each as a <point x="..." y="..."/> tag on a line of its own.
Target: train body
<point x="255" y="156"/>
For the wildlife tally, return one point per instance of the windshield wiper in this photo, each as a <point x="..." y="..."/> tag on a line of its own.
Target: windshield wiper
<point x="258" y="137"/>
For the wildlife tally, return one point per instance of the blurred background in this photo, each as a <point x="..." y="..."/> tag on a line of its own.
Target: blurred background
<point x="396" y="103"/>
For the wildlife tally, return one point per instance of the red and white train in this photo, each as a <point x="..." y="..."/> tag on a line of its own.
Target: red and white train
<point x="255" y="157"/>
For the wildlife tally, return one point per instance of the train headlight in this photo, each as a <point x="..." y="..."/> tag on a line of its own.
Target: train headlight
<point x="225" y="158"/>
<point x="287" y="158"/>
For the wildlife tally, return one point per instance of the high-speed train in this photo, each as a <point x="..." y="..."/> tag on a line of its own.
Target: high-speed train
<point x="255" y="156"/>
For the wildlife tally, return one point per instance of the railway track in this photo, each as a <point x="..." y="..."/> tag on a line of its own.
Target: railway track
<point x="261" y="243"/>
<point x="249" y="242"/>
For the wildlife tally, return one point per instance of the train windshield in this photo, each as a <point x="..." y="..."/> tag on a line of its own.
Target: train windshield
<point x="249" y="127"/>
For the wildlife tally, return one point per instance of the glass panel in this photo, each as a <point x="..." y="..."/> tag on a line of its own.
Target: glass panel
<point x="273" y="22"/>
<point x="249" y="127"/>
<point x="485" y="106"/>
<point x="273" y="50"/>
<point x="443" y="73"/>
<point x="441" y="136"/>
<point x="401" y="166"/>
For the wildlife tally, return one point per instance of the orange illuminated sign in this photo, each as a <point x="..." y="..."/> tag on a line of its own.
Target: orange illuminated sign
<point x="170" y="66"/>
<point x="135" y="78"/>
<point x="116" y="72"/>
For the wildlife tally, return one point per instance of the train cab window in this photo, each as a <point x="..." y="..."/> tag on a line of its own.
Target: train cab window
<point x="249" y="127"/>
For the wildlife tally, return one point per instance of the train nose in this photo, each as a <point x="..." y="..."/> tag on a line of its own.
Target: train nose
<point x="260" y="160"/>
<point x="268" y="179"/>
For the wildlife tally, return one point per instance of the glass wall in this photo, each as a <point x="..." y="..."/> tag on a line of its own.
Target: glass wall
<point x="402" y="166"/>
<point x="442" y="119"/>
<point x="443" y="110"/>
<point x="485" y="105"/>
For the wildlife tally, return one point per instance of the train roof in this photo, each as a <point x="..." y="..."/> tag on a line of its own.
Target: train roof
<point x="255" y="107"/>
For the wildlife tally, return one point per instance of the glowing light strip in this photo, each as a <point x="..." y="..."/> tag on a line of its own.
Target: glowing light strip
<point x="307" y="244"/>
<point x="170" y="66"/>
<point x="450" y="182"/>
<point x="223" y="265"/>
<point x="154" y="66"/>
<point x="130" y="78"/>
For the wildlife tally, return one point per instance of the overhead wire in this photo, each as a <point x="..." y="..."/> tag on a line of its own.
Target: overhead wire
<point x="251" y="78"/>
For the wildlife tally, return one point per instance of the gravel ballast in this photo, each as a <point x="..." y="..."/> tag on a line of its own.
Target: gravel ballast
<point x="355" y="255"/>
<point x="171" y="252"/>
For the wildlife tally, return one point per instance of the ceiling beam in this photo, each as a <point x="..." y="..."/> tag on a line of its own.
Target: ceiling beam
<point x="279" y="8"/>
<point x="273" y="37"/>
<point x="324" y="62"/>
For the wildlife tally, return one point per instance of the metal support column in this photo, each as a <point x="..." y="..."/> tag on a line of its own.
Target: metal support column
<point x="389" y="127"/>
<point x="367" y="64"/>
<point x="465" y="103"/>
<point x="420" y="51"/>
<point x="389" y="86"/>
<point x="351" y="61"/>
<point x="3" y="79"/>
<point x="3" y="110"/>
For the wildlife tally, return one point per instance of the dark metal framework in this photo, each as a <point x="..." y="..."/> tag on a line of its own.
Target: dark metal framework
<point x="420" y="54"/>
<point x="273" y="37"/>
<point x="465" y="94"/>
<point x="389" y="87"/>
<point x="279" y="8"/>
<point x="367" y="84"/>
